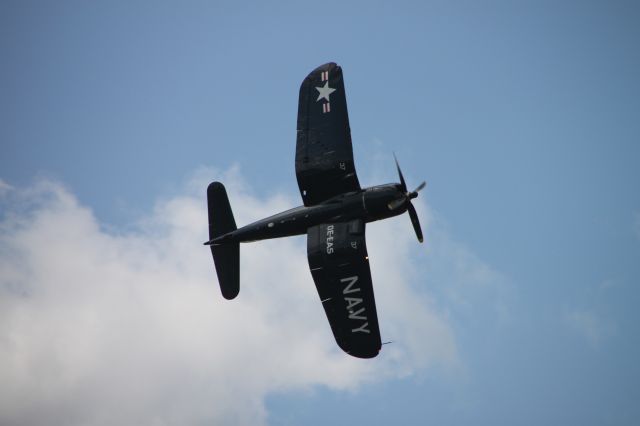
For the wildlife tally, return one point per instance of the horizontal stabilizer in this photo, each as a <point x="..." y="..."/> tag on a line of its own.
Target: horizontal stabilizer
<point x="227" y="261"/>
<point x="225" y="256"/>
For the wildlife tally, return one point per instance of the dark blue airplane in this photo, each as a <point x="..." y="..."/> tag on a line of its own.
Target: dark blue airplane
<point x="333" y="216"/>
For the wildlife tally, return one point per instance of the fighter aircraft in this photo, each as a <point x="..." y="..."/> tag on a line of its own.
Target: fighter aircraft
<point x="333" y="216"/>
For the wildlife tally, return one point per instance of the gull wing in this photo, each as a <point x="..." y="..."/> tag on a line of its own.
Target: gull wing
<point x="339" y="264"/>
<point x="324" y="155"/>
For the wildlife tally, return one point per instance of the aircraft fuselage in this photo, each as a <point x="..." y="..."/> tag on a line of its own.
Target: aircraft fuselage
<point x="369" y="204"/>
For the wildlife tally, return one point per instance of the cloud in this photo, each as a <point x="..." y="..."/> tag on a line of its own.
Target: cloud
<point x="128" y="327"/>
<point x="589" y="325"/>
<point x="4" y="187"/>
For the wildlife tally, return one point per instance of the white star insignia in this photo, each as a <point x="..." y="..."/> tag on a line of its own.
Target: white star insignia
<point x="324" y="92"/>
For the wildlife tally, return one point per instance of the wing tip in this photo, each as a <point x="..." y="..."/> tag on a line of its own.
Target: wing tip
<point x="366" y="351"/>
<point x="329" y="66"/>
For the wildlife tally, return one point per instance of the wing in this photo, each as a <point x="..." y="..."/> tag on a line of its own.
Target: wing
<point x="324" y="156"/>
<point x="340" y="267"/>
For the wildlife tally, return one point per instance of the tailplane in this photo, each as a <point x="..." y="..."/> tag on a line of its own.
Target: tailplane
<point x="226" y="256"/>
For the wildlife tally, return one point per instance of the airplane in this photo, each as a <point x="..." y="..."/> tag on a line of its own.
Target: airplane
<point x="334" y="215"/>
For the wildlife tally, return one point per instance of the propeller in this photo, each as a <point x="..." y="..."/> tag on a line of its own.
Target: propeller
<point x="406" y="198"/>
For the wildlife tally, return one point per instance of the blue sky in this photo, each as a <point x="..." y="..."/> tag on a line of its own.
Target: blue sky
<point x="523" y="117"/>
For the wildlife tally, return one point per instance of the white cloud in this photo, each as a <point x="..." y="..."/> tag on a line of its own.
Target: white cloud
<point x="589" y="325"/>
<point x="4" y="187"/>
<point x="130" y="328"/>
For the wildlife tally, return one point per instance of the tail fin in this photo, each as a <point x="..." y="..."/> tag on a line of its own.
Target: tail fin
<point x="225" y="256"/>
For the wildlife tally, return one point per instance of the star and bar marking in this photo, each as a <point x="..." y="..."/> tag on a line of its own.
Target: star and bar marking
<point x="324" y="92"/>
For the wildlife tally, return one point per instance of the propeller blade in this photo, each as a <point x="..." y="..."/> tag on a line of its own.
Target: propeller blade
<point x="415" y="222"/>
<point x="422" y="185"/>
<point x="404" y="185"/>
